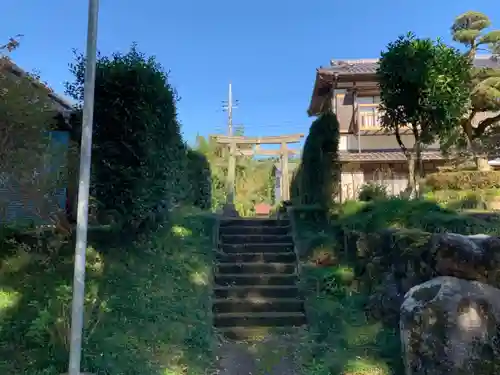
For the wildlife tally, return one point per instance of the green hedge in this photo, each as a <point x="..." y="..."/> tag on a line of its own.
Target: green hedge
<point x="463" y="180"/>
<point x="317" y="179"/>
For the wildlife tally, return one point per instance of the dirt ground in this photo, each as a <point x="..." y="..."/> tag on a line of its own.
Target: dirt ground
<point x="271" y="355"/>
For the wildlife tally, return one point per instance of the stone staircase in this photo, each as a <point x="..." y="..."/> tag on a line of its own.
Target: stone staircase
<point x="256" y="278"/>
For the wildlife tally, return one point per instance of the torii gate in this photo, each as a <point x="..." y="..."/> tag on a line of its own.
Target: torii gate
<point x="283" y="153"/>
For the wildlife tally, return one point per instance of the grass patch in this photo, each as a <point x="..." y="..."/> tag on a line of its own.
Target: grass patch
<point x="148" y="307"/>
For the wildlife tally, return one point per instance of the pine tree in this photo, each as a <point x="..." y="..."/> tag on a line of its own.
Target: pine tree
<point x="471" y="30"/>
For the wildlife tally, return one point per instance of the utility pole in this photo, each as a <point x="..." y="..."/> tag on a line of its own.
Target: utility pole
<point x="228" y="106"/>
<point x="78" y="302"/>
<point x="230" y="111"/>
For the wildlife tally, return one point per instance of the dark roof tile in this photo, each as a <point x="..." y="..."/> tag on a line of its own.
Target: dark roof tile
<point x="384" y="156"/>
<point x="369" y="66"/>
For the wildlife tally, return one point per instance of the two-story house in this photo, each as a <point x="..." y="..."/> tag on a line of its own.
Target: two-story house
<point x="367" y="153"/>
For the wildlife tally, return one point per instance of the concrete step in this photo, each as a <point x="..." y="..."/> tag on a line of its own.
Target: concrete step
<point x="254" y="333"/>
<point x="256" y="268"/>
<point x="280" y="257"/>
<point x="257" y="248"/>
<point x="255" y="280"/>
<point x="263" y="291"/>
<point x="258" y="229"/>
<point x="236" y="239"/>
<point x="235" y="222"/>
<point x="268" y="319"/>
<point x="257" y="305"/>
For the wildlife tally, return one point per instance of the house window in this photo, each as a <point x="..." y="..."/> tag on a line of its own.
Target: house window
<point x="369" y="117"/>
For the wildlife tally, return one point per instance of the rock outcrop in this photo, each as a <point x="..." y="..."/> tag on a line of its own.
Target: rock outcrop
<point x="451" y="326"/>
<point x="391" y="262"/>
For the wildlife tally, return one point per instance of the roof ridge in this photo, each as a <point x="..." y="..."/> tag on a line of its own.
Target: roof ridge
<point x="353" y="61"/>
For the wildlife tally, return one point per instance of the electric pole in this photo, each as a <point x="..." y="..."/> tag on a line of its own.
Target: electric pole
<point x="228" y="106"/>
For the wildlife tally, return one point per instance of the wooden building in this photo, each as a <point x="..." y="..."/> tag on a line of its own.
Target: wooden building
<point x="367" y="153"/>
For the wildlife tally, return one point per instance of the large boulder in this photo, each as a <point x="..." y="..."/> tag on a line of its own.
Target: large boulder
<point x="451" y="326"/>
<point x="391" y="262"/>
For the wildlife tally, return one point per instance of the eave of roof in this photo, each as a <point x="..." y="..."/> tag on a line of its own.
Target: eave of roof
<point x="19" y="72"/>
<point x="364" y="69"/>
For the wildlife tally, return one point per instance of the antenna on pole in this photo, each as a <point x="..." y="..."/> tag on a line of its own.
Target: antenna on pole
<point x="228" y="105"/>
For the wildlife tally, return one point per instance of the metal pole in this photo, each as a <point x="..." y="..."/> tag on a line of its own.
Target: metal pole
<point x="83" y="193"/>
<point x="230" y="110"/>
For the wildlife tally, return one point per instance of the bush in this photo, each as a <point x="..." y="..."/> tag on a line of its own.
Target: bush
<point x="411" y="214"/>
<point x="464" y="180"/>
<point x="464" y="199"/>
<point x="201" y="180"/>
<point x="317" y="180"/>
<point x="371" y="191"/>
<point x="139" y="160"/>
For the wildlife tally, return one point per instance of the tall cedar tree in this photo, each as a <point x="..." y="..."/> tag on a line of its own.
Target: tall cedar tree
<point x="470" y="29"/>
<point x="424" y="87"/>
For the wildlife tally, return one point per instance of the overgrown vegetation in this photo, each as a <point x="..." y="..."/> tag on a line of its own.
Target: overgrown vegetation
<point x="371" y="191"/>
<point x="147" y="306"/>
<point x="317" y="179"/>
<point x="341" y="280"/>
<point x="255" y="179"/>
<point x="27" y="117"/>
<point x="147" y="302"/>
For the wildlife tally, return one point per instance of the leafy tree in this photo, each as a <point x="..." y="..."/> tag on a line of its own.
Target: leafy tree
<point x="423" y="87"/>
<point x="317" y="179"/>
<point x="139" y="159"/>
<point x="470" y="29"/>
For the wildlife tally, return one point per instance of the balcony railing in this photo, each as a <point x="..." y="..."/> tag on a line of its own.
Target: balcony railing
<point x="368" y="117"/>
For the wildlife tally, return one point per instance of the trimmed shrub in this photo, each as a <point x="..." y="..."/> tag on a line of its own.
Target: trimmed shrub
<point x="464" y="180"/>
<point x="317" y="180"/>
<point x="139" y="159"/>
<point x="372" y="191"/>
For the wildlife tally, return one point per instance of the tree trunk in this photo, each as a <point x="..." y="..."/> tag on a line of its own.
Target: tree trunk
<point x="419" y="166"/>
<point x="481" y="161"/>
<point x="480" y="157"/>
<point x="412" y="186"/>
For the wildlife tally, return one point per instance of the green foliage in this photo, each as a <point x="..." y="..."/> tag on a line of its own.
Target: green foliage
<point x="478" y="199"/>
<point x="201" y="179"/>
<point x="139" y="158"/>
<point x="26" y="116"/>
<point x="412" y="214"/>
<point x="255" y="178"/>
<point x="372" y="191"/>
<point x="340" y="298"/>
<point x="424" y="86"/>
<point x="147" y="305"/>
<point x="318" y="177"/>
<point x="472" y="30"/>
<point x="463" y="180"/>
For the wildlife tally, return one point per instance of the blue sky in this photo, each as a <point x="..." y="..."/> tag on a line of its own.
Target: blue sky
<point x="268" y="49"/>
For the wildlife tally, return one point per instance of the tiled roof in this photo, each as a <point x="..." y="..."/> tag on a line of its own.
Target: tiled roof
<point x="387" y="156"/>
<point x="369" y="66"/>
